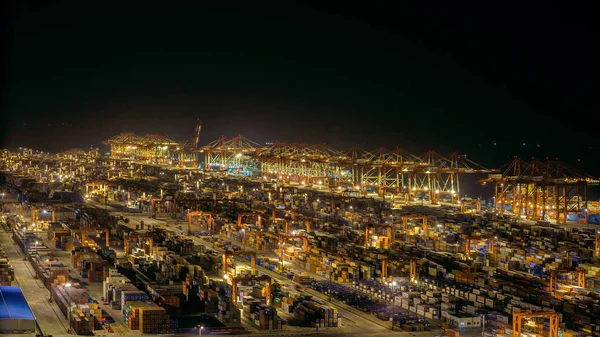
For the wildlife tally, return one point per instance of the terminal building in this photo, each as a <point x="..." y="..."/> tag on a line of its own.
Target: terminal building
<point x="15" y="314"/>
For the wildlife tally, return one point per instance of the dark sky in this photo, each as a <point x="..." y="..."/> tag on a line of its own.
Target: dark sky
<point x="444" y="77"/>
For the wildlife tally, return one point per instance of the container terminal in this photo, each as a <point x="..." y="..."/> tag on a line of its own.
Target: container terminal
<point x="165" y="237"/>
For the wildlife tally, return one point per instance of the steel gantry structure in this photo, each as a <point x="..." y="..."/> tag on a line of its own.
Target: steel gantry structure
<point x="149" y="147"/>
<point x="540" y="189"/>
<point x="381" y="171"/>
<point x="302" y="164"/>
<point x="235" y="154"/>
<point x="518" y="317"/>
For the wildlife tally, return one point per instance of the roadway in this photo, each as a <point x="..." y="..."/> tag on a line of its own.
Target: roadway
<point x="94" y="289"/>
<point x="49" y="317"/>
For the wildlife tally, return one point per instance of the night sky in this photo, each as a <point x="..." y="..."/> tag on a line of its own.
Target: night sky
<point x="424" y="77"/>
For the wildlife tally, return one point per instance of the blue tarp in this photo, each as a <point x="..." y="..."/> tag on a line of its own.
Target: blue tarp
<point x="13" y="304"/>
<point x="594" y="219"/>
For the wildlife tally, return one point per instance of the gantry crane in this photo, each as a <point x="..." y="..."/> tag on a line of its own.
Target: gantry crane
<point x="368" y="228"/>
<point x="468" y="238"/>
<point x="292" y="213"/>
<point x="262" y="278"/>
<point x="597" y="246"/>
<point x="406" y="219"/>
<point x="228" y="254"/>
<point x="106" y="231"/>
<point x="19" y="204"/>
<point x="34" y="215"/>
<point x="93" y="185"/>
<point x="83" y="232"/>
<point x="242" y="215"/>
<point x="517" y="330"/>
<point x="304" y="238"/>
<point x="287" y="225"/>
<point x="153" y="206"/>
<point x="384" y="269"/>
<point x="553" y="285"/>
<point x="192" y="215"/>
<point x="137" y="236"/>
<point x="283" y="237"/>
<point x="463" y="205"/>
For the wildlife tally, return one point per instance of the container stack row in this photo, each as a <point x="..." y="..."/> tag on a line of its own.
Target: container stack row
<point x="7" y="273"/>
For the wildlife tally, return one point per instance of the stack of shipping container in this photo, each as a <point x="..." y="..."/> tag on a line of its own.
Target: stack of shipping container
<point x="313" y="312"/>
<point x="264" y="317"/>
<point x="7" y="273"/>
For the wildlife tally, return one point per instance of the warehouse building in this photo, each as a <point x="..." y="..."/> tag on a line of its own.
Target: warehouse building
<point x="15" y="314"/>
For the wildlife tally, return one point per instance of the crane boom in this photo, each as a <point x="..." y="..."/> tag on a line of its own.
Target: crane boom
<point x="197" y="137"/>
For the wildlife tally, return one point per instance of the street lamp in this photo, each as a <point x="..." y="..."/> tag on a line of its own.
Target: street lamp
<point x="200" y="327"/>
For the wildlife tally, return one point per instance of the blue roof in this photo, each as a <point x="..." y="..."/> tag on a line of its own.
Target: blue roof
<point x="13" y="304"/>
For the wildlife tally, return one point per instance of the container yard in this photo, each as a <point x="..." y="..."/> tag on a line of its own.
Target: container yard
<point x="161" y="247"/>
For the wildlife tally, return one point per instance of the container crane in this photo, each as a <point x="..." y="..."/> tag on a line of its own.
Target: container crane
<point x="262" y="278"/>
<point x="518" y="317"/>
<point x="468" y="238"/>
<point x="304" y="239"/>
<point x="406" y="219"/>
<point x="368" y="228"/>
<point x="136" y="236"/>
<point x="242" y="215"/>
<point x="228" y="254"/>
<point x="553" y="285"/>
<point x="84" y="231"/>
<point x="153" y="207"/>
<point x="464" y="204"/>
<point x="287" y="226"/>
<point x="412" y="268"/>
<point x="192" y="215"/>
